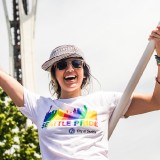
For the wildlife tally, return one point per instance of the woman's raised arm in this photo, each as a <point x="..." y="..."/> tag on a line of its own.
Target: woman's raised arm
<point x="12" y="87"/>
<point x="143" y="103"/>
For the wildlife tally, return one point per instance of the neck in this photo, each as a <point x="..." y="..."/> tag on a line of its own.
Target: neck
<point x="66" y="95"/>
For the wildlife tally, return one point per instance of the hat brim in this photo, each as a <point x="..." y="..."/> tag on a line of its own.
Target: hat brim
<point x="48" y="64"/>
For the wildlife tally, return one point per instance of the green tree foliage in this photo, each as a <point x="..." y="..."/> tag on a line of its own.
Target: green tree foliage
<point x="16" y="142"/>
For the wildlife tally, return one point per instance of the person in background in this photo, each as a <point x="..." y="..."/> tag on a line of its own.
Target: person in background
<point x="74" y="126"/>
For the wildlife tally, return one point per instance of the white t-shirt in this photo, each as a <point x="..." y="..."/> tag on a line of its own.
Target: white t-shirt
<point x="72" y="129"/>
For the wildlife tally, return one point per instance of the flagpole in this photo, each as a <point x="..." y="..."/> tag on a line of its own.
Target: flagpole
<point x="131" y="86"/>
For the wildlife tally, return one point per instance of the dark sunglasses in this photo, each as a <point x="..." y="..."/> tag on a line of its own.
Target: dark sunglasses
<point x="77" y="63"/>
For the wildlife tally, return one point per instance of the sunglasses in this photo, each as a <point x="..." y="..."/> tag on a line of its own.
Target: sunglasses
<point x="77" y="63"/>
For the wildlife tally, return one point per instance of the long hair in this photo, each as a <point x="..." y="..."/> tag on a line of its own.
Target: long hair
<point x="54" y="86"/>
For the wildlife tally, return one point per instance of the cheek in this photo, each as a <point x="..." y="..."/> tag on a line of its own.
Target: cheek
<point x="58" y="76"/>
<point x="81" y="75"/>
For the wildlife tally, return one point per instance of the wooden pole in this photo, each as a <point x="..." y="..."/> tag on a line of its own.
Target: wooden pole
<point x="131" y="86"/>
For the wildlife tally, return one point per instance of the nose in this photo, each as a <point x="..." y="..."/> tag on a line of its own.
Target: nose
<point x="69" y="67"/>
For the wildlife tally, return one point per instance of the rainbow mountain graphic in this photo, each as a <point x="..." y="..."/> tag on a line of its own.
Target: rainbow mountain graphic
<point x="78" y="117"/>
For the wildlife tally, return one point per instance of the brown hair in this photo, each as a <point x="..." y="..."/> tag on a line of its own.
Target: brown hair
<point x="54" y="86"/>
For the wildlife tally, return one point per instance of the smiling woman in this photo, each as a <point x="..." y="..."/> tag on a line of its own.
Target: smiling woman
<point x="75" y="126"/>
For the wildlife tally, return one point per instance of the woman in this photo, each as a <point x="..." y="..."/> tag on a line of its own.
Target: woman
<point x="72" y="126"/>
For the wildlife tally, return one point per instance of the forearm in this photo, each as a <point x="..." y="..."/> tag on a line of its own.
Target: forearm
<point x="12" y="87"/>
<point x="156" y="93"/>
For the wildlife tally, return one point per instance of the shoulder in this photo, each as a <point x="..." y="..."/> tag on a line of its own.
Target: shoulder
<point x="31" y="96"/>
<point x="105" y="94"/>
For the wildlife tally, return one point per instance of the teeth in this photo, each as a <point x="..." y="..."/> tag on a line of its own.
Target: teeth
<point x="69" y="77"/>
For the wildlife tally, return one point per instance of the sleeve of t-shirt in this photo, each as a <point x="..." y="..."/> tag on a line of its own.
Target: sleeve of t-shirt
<point x="118" y="97"/>
<point x="112" y="99"/>
<point x="30" y="105"/>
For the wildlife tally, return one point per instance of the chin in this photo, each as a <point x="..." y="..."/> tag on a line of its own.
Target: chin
<point x="72" y="89"/>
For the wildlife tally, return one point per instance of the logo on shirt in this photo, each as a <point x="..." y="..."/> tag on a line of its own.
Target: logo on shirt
<point x="78" y="117"/>
<point x="71" y="130"/>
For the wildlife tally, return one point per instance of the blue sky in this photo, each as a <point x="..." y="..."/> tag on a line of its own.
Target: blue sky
<point x="113" y="35"/>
